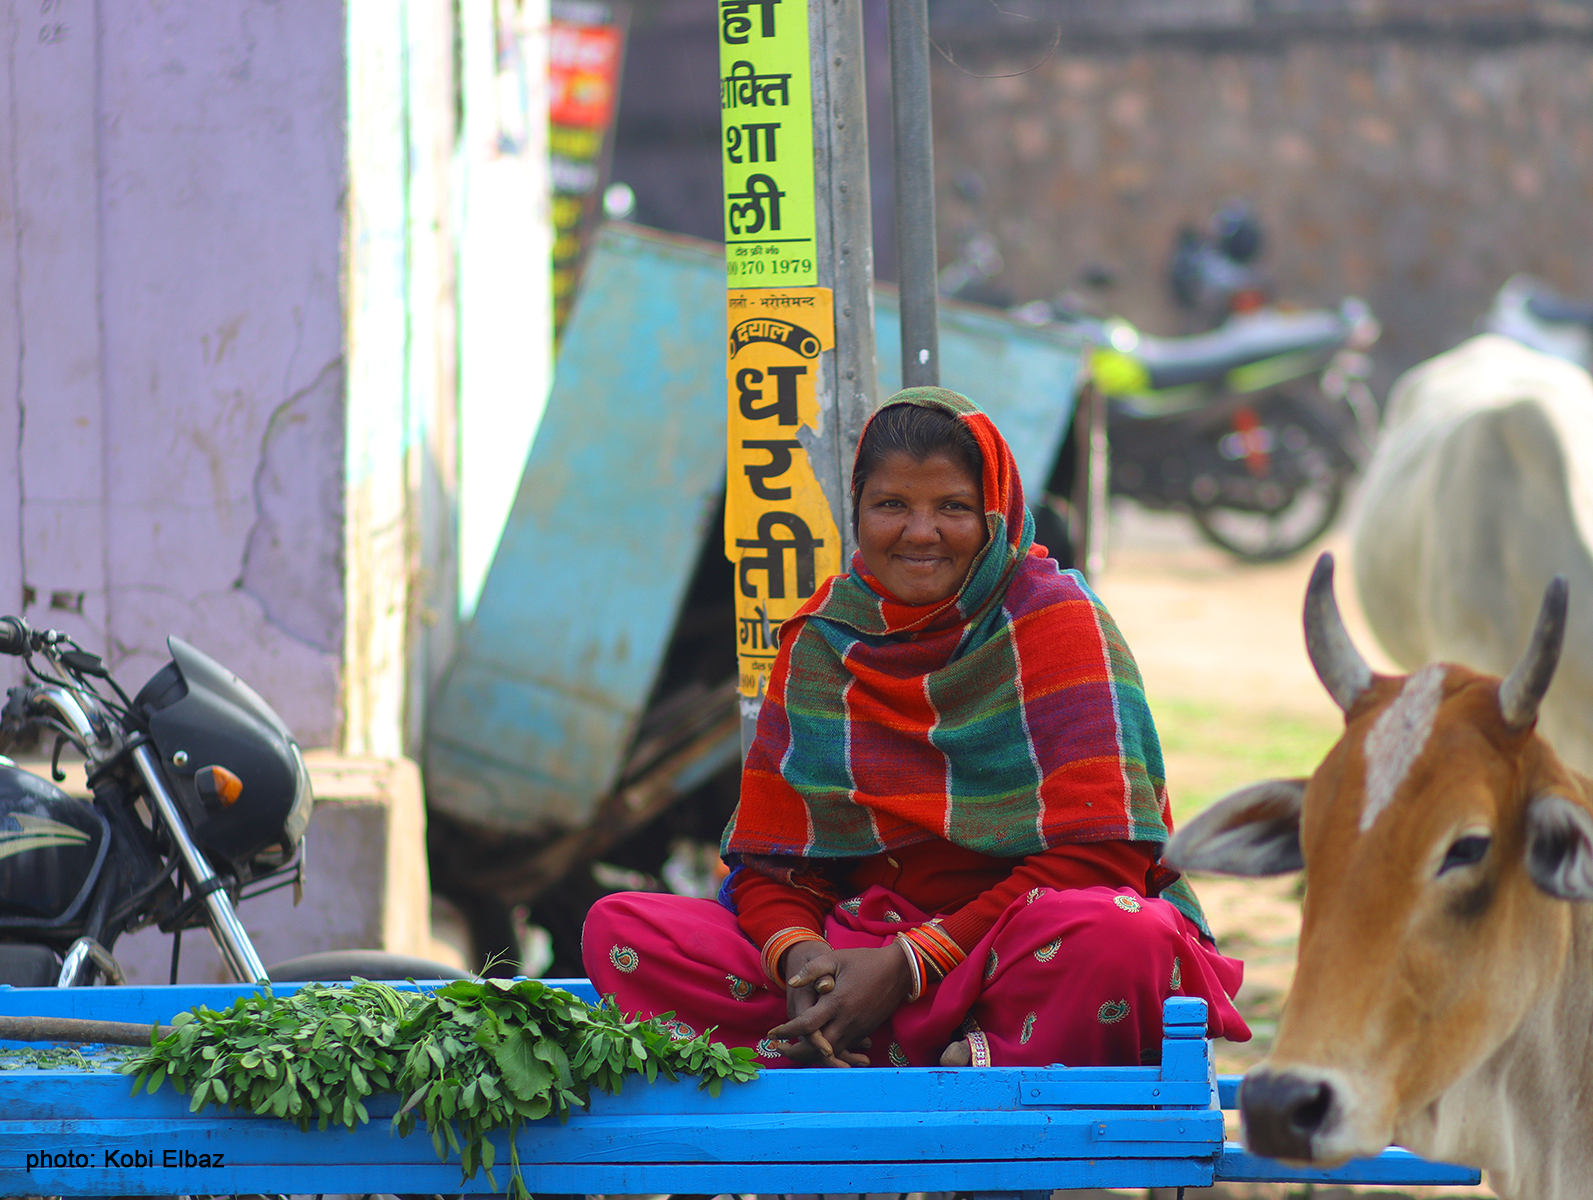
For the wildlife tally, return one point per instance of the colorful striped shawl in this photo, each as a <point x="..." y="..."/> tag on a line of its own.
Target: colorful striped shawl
<point x="1008" y="719"/>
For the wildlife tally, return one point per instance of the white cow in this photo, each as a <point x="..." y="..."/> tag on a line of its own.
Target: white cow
<point x="1480" y="493"/>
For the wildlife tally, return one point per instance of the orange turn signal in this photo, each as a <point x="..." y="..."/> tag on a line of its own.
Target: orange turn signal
<point x="218" y="783"/>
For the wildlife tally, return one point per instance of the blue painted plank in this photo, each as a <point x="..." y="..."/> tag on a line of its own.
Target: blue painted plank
<point x="825" y="1176"/>
<point x="1392" y="1166"/>
<point x="929" y="1093"/>
<point x="1193" y="1093"/>
<point x="769" y="1138"/>
<point x="1228" y="1090"/>
<point x="1172" y="1130"/>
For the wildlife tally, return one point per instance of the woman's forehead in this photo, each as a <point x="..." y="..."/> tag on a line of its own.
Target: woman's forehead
<point x="900" y="469"/>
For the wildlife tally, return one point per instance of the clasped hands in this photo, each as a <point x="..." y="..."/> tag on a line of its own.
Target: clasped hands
<point x="835" y="998"/>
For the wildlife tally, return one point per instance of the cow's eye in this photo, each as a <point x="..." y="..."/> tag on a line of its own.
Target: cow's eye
<point x="1465" y="852"/>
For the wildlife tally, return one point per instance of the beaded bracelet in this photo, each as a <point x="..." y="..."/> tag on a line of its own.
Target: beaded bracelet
<point x="780" y="943"/>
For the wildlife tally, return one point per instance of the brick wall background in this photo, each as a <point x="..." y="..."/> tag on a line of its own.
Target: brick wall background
<point x="1416" y="161"/>
<point x="1413" y="152"/>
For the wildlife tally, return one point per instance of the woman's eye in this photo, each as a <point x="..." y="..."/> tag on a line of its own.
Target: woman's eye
<point x="1465" y="852"/>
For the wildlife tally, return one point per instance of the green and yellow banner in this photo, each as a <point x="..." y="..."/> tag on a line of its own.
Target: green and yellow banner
<point x="779" y="530"/>
<point x="766" y="119"/>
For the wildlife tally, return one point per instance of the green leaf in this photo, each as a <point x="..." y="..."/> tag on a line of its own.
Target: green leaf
<point x="473" y="1058"/>
<point x="524" y="1071"/>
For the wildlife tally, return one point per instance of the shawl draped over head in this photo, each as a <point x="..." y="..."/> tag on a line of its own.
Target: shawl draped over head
<point x="1008" y="718"/>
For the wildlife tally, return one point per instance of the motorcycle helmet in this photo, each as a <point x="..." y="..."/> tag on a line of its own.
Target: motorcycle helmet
<point x="1237" y="231"/>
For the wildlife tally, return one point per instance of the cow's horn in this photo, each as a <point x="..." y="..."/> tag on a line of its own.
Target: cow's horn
<point x="1522" y="691"/>
<point x="1338" y="663"/>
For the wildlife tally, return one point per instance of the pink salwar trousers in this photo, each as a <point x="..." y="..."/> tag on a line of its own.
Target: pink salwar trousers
<point x="1073" y="976"/>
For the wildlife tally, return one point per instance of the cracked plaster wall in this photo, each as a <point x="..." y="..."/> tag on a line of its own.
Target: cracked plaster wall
<point x="171" y="345"/>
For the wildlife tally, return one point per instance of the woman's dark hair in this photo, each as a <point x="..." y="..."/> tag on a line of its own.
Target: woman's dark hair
<point x="918" y="432"/>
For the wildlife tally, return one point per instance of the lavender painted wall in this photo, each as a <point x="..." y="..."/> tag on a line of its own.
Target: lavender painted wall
<point x="171" y="342"/>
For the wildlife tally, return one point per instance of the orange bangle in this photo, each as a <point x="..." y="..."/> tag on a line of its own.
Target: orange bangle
<point x="936" y="947"/>
<point x="783" y="941"/>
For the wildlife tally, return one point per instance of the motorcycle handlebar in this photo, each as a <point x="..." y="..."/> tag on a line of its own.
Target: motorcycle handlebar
<point x="14" y="636"/>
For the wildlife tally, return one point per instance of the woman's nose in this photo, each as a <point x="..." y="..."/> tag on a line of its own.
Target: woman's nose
<point x="922" y="527"/>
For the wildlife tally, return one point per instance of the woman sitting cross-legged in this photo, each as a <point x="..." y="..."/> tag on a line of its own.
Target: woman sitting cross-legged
<point x="946" y="847"/>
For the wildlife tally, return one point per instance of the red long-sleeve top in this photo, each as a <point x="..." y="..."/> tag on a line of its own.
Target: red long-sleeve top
<point x="968" y="889"/>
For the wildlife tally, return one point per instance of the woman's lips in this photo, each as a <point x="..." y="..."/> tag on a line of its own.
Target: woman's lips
<point x="921" y="563"/>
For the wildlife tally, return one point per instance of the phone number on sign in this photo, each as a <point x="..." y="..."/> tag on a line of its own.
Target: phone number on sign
<point x="764" y="266"/>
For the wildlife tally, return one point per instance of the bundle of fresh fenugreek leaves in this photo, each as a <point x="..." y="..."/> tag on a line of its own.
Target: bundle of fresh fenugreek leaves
<point x="471" y="1058"/>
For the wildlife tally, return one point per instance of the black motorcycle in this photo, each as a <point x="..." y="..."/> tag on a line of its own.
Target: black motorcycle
<point x="1253" y="429"/>
<point x="200" y="800"/>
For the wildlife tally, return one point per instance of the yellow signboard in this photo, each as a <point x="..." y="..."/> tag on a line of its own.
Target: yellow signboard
<point x="779" y="530"/>
<point x="766" y="121"/>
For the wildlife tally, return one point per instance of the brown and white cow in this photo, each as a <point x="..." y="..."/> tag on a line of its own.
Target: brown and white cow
<point x="1444" y="995"/>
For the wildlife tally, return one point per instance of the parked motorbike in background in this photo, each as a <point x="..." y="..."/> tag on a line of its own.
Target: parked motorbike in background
<point x="1253" y="429"/>
<point x="200" y="800"/>
<point x="1534" y="314"/>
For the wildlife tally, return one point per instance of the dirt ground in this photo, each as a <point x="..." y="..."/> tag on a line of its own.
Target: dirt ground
<point x="1235" y="699"/>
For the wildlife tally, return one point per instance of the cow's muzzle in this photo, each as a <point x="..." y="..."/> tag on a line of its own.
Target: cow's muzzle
<point x="1284" y="1112"/>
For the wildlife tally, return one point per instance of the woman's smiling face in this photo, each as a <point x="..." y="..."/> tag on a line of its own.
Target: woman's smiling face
<point x="920" y="526"/>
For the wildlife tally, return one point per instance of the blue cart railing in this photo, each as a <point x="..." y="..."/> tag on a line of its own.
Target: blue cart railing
<point x="66" y="1131"/>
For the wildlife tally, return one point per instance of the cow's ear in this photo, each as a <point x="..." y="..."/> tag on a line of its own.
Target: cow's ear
<point x="1560" y="846"/>
<point x="1254" y="831"/>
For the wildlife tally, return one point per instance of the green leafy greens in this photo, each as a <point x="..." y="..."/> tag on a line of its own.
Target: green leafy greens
<point x="472" y="1058"/>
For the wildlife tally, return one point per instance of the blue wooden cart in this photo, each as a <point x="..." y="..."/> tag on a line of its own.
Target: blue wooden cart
<point x="986" y="1132"/>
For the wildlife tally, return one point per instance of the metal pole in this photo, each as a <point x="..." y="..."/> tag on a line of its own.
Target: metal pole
<point x="915" y="192"/>
<point x="845" y="247"/>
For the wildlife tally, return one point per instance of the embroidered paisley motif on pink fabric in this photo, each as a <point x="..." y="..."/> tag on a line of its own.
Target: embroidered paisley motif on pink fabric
<point x="740" y="989"/>
<point x="1127" y="903"/>
<point x="1112" y="1012"/>
<point x="624" y="959"/>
